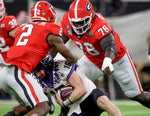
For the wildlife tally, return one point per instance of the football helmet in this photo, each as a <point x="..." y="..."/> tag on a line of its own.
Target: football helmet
<point x="2" y="9"/>
<point x="81" y="14"/>
<point x="43" y="10"/>
<point x="46" y="81"/>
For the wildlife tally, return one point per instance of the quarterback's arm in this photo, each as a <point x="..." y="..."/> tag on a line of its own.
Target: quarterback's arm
<point x="109" y="47"/>
<point x="12" y="32"/>
<point x="78" y="85"/>
<point x="78" y="92"/>
<point x="57" y="42"/>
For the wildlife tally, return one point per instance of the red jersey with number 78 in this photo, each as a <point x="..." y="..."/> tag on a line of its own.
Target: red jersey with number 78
<point x="31" y="45"/>
<point x="90" y="41"/>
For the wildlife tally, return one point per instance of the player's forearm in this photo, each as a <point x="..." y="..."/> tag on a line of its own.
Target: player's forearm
<point x="70" y="57"/>
<point x="110" y="54"/>
<point x="77" y="94"/>
<point x="53" y="52"/>
<point x="78" y="85"/>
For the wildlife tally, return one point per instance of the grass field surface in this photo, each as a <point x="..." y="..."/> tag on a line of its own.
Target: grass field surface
<point x="128" y="108"/>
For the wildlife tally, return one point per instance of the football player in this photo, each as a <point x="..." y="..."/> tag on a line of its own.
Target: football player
<point x="104" y="53"/>
<point x="33" y="41"/>
<point x="84" y="100"/>
<point x="8" y="26"/>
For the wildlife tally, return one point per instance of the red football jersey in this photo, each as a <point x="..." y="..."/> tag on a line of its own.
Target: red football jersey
<point x="31" y="45"/>
<point x="7" y="24"/>
<point x="89" y="42"/>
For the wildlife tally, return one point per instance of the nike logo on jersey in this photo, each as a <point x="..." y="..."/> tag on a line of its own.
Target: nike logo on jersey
<point x="119" y="63"/>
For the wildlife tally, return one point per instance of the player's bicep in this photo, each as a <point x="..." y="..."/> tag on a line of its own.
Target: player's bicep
<point x="108" y="43"/>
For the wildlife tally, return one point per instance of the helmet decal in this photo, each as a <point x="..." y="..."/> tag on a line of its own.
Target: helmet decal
<point x="88" y="7"/>
<point x="76" y="16"/>
<point x="43" y="13"/>
<point x="35" y="9"/>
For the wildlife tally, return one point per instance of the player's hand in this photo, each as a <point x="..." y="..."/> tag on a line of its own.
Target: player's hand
<point x="58" y="99"/>
<point x="107" y="66"/>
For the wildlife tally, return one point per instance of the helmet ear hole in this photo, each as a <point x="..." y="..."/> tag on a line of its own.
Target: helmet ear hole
<point x="51" y="18"/>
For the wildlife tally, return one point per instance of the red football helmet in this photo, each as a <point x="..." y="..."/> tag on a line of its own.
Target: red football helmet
<point x="43" y="10"/>
<point x="2" y="9"/>
<point x="80" y="15"/>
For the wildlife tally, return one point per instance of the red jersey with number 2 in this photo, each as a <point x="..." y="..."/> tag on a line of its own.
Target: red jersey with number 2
<point x="90" y="41"/>
<point x="31" y="45"/>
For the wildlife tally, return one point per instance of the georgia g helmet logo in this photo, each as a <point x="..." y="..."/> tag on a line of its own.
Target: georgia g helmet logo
<point x="88" y="7"/>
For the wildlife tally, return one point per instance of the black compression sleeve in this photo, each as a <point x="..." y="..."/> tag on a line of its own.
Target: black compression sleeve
<point x="110" y="45"/>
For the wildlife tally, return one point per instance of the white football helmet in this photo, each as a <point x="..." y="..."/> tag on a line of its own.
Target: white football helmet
<point x="81" y="14"/>
<point x="2" y="9"/>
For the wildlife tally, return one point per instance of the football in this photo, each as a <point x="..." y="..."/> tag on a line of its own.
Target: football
<point x="65" y="92"/>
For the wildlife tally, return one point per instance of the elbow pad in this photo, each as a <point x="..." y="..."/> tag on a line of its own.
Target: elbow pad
<point x="110" y="45"/>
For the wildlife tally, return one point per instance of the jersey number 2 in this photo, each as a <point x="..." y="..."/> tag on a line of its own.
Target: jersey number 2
<point x="25" y="34"/>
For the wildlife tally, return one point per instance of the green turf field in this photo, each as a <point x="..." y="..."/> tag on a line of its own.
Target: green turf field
<point x="128" y="108"/>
